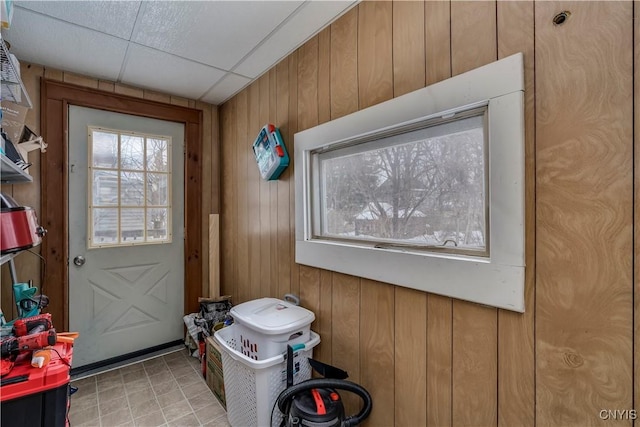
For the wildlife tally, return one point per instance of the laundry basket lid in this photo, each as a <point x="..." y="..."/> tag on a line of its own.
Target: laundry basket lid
<point x="271" y="315"/>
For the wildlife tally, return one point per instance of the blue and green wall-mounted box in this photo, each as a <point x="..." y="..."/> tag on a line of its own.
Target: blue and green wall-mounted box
<point x="270" y="152"/>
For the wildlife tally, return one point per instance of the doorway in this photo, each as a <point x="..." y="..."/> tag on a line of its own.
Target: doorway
<point x="126" y="275"/>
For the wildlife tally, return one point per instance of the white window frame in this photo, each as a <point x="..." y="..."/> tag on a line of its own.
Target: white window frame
<point x="496" y="280"/>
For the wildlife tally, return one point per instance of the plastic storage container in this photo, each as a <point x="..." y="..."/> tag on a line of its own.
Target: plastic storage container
<point x="38" y="396"/>
<point x="252" y="386"/>
<point x="266" y="326"/>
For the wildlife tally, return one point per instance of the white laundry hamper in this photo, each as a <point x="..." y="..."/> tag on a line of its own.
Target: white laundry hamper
<point x="252" y="386"/>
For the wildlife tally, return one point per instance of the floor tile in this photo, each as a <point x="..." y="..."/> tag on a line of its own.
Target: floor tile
<point x="116" y="418"/>
<point x="189" y="420"/>
<point x="140" y="396"/>
<point x="188" y="379"/>
<point x="168" y="399"/>
<point x="145" y="407"/>
<point x="177" y="410"/>
<point x="111" y="393"/>
<point x="107" y="407"/>
<point x="165" y="387"/>
<point x="132" y="376"/>
<point x="84" y="416"/>
<point x="179" y="371"/>
<point x="131" y="368"/>
<point x="134" y="386"/>
<point x="79" y="402"/>
<point x="161" y="377"/>
<point x="154" y="419"/>
<point x="209" y="413"/>
<point x="155" y="369"/>
<point x="196" y="389"/>
<point x="201" y="400"/>
<point x="218" y="422"/>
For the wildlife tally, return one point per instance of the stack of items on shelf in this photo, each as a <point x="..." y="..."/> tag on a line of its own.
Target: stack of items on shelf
<point x="34" y="358"/>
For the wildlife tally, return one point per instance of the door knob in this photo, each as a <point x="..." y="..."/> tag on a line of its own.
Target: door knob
<point x="79" y="260"/>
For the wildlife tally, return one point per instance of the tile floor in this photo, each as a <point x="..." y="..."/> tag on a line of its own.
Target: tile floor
<point x="165" y="391"/>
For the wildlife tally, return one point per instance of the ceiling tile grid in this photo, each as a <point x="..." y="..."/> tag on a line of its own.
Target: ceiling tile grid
<point x="204" y="50"/>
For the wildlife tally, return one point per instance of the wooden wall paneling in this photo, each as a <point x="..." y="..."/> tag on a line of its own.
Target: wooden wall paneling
<point x="229" y="202"/>
<point x="475" y="359"/>
<point x="325" y="316"/>
<point x="408" y="47"/>
<point x="253" y="206"/>
<point x="345" y="331"/>
<point x="324" y="75"/>
<point x="307" y="118"/>
<point x="273" y="198"/>
<point x="410" y="349"/>
<point x="131" y="91"/>
<point x="207" y="147"/>
<point x="584" y="313"/>
<point x="109" y="86"/>
<point x="375" y="53"/>
<point x="79" y="80"/>
<point x="243" y="213"/>
<point x="293" y="128"/>
<point x="377" y="342"/>
<point x="439" y="356"/>
<point x="636" y="230"/>
<point x="157" y="96"/>
<point x="215" y="160"/>
<point x="344" y="65"/>
<point x="437" y="33"/>
<point x="214" y="256"/>
<point x="516" y="378"/>
<point x="285" y="250"/>
<point x="177" y="100"/>
<point x="265" y="200"/>
<point x="53" y="74"/>
<point x="439" y="309"/>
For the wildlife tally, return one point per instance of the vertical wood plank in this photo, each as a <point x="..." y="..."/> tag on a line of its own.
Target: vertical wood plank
<point x="214" y="256"/>
<point x="229" y="202"/>
<point x="325" y="315"/>
<point x="376" y="349"/>
<point x="310" y="291"/>
<point x="345" y="332"/>
<point x="273" y="196"/>
<point x="177" y="100"/>
<point x="79" y="80"/>
<point x="284" y="242"/>
<point x="437" y="40"/>
<point x="410" y="355"/>
<point x="265" y="200"/>
<point x="475" y="359"/>
<point x="344" y="65"/>
<point x="308" y="85"/>
<point x="129" y="91"/>
<point x="584" y="140"/>
<point x="253" y="201"/>
<point x="439" y="309"/>
<point x="324" y="75"/>
<point x="636" y="230"/>
<point x="53" y="74"/>
<point x="156" y="96"/>
<point x="215" y="160"/>
<point x="375" y="57"/>
<point x="516" y="370"/>
<point x="439" y="360"/>
<point x="293" y="128"/>
<point x="106" y="86"/>
<point x="408" y="46"/>
<point x="242" y="151"/>
<point x="206" y="192"/>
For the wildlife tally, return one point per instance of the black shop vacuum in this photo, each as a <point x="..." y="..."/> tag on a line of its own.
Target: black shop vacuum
<point x="316" y="402"/>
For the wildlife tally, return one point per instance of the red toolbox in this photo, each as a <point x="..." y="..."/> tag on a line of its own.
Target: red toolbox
<point x="38" y="396"/>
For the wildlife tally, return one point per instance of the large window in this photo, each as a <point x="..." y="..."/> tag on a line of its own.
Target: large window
<point x="129" y="188"/>
<point x="421" y="186"/>
<point x="425" y="190"/>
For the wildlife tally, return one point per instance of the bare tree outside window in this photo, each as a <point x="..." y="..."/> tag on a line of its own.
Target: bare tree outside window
<point x="131" y="197"/>
<point x="427" y="191"/>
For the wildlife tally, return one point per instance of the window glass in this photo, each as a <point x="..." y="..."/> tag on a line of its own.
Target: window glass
<point x="425" y="187"/>
<point x="130" y="194"/>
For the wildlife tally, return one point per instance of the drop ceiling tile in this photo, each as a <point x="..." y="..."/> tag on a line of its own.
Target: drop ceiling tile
<point x="217" y="33"/>
<point x="307" y="21"/>
<point x="43" y="40"/>
<point x="111" y="17"/>
<point x="153" y="69"/>
<point x="226" y="88"/>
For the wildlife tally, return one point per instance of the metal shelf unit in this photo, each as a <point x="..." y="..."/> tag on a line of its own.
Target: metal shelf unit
<point x="10" y="173"/>
<point x="12" y="87"/>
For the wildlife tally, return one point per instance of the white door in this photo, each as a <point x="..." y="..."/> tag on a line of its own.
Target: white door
<point x="126" y="233"/>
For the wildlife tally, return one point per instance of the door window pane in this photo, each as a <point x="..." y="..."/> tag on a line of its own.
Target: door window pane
<point x="105" y="149"/>
<point x="131" y="152"/>
<point x="134" y="182"/>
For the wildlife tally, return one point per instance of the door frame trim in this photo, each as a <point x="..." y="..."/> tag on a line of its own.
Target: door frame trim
<point x="55" y="97"/>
